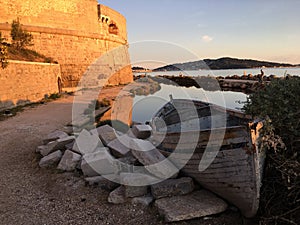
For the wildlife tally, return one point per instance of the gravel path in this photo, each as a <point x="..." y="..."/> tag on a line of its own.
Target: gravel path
<point x="30" y="195"/>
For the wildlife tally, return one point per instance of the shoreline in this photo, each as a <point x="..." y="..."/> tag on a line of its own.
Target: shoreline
<point x="268" y="71"/>
<point x="246" y="84"/>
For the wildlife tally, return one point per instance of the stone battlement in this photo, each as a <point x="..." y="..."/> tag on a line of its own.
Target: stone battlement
<point x="75" y="33"/>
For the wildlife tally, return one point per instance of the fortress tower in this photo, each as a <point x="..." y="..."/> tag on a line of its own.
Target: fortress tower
<point x="75" y="33"/>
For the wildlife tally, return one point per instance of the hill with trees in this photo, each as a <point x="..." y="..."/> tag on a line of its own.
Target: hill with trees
<point x="221" y="63"/>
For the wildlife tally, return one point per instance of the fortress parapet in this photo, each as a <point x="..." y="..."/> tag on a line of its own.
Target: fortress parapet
<point x="75" y="33"/>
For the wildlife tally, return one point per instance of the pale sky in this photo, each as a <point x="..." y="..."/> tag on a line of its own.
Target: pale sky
<point x="256" y="29"/>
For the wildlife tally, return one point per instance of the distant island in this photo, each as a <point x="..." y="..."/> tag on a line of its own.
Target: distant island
<point x="140" y="69"/>
<point x="222" y="63"/>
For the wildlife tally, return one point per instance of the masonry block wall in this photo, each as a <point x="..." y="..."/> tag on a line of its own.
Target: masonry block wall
<point x="25" y="82"/>
<point x="75" y="33"/>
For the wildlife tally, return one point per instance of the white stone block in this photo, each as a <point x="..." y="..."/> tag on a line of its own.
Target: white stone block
<point x="142" y="131"/>
<point x="51" y="159"/>
<point x="98" y="163"/>
<point x="69" y="161"/>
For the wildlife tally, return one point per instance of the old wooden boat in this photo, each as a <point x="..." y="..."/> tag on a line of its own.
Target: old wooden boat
<point x="223" y="142"/>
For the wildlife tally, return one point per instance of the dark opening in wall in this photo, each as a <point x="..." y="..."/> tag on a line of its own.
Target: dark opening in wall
<point x="113" y="29"/>
<point x="99" y="11"/>
<point x="104" y="19"/>
<point x="59" y="83"/>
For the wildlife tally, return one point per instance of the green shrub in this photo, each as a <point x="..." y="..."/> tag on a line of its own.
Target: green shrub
<point x="279" y="102"/>
<point x="3" y="52"/>
<point x="48" y="60"/>
<point x="20" y="37"/>
<point x="54" y="96"/>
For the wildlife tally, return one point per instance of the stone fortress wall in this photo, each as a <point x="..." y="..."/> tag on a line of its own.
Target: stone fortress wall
<point x="26" y="82"/>
<point x="75" y="33"/>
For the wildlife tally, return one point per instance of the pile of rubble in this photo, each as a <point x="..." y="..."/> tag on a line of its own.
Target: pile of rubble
<point x="129" y="166"/>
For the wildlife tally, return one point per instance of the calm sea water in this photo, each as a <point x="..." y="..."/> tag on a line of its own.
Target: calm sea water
<point x="268" y="71"/>
<point x="145" y="106"/>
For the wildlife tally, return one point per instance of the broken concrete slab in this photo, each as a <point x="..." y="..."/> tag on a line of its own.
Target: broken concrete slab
<point x="51" y="159"/>
<point x="86" y="143"/>
<point x="59" y="144"/>
<point x="129" y="164"/>
<point x="98" y="163"/>
<point x="141" y="145"/>
<point x="135" y="191"/>
<point x="118" y="149"/>
<point x="117" y="196"/>
<point x="130" y="134"/>
<point x="68" y="130"/>
<point x="172" y="187"/>
<point x="47" y="149"/>
<point x="70" y="145"/>
<point x="130" y="160"/>
<point x="106" y="133"/>
<point x="57" y="134"/>
<point x="130" y="168"/>
<point x="197" y="204"/>
<point x="143" y="200"/>
<point x="137" y="179"/>
<point x="62" y="142"/>
<point x="40" y="148"/>
<point x="102" y="182"/>
<point x="152" y="159"/>
<point x="69" y="161"/>
<point x="142" y="131"/>
<point x="123" y="167"/>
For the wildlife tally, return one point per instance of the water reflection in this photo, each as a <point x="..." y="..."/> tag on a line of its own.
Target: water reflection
<point x="145" y="106"/>
<point x="140" y="108"/>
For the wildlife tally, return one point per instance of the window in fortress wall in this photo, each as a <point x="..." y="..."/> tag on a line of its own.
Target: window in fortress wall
<point x="113" y="29"/>
<point x="104" y="19"/>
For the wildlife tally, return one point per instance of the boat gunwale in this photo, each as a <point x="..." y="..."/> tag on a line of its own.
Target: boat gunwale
<point x="232" y="112"/>
<point x="229" y="128"/>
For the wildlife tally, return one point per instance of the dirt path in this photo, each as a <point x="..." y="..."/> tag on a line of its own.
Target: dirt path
<point x="30" y="195"/>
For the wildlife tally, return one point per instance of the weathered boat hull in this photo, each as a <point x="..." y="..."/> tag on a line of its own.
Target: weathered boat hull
<point x="235" y="170"/>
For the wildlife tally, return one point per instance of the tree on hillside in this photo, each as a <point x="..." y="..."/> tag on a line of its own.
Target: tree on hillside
<point x="3" y="52"/>
<point x="20" y="37"/>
